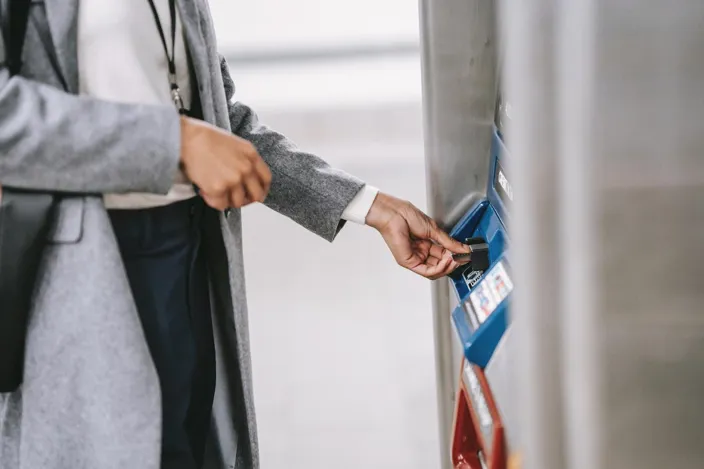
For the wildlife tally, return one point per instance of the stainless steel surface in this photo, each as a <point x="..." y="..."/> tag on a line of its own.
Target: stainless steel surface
<point x="647" y="141"/>
<point x="528" y="32"/>
<point x="500" y="375"/>
<point x="446" y="351"/>
<point x="459" y="87"/>
<point x="459" y="95"/>
<point x="581" y="252"/>
<point x="608" y="222"/>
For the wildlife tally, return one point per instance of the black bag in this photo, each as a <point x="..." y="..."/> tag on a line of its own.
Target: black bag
<point x="25" y="220"/>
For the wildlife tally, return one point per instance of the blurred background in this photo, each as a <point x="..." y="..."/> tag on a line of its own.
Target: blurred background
<point x="604" y="367"/>
<point x="342" y="338"/>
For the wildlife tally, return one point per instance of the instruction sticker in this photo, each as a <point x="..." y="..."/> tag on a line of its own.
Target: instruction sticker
<point x="471" y="315"/>
<point x="489" y="294"/>
<point x="483" y="301"/>
<point x="502" y="185"/>
<point x="500" y="283"/>
<point x="486" y="422"/>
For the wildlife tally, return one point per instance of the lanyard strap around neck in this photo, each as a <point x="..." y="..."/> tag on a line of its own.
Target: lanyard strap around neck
<point x="171" y="59"/>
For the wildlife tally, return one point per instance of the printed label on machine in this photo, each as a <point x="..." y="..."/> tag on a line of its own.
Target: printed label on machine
<point x="472" y="277"/>
<point x="499" y="282"/>
<point x="483" y="302"/>
<point x="502" y="185"/>
<point x="482" y="460"/>
<point x="481" y="408"/>
<point x="491" y="292"/>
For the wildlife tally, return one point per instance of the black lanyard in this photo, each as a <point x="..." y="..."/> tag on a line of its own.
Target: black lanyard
<point x="171" y="59"/>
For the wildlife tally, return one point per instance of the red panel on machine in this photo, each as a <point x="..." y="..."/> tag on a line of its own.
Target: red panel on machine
<point x="478" y="435"/>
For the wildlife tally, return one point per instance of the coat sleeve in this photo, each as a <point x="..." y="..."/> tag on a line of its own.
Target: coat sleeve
<point x="304" y="187"/>
<point x="55" y="141"/>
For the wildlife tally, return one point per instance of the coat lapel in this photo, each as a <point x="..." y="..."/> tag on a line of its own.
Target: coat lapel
<point x="198" y="54"/>
<point x="62" y="18"/>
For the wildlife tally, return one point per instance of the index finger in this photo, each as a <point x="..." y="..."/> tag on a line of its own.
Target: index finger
<point x="446" y="241"/>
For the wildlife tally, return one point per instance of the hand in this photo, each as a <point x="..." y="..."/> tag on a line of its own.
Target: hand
<point x="414" y="239"/>
<point x="227" y="169"/>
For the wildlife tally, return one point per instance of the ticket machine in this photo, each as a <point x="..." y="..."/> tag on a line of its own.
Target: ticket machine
<point x="483" y="418"/>
<point x="469" y="194"/>
<point x="483" y="286"/>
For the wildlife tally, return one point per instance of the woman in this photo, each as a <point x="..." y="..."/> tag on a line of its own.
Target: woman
<point x="124" y="109"/>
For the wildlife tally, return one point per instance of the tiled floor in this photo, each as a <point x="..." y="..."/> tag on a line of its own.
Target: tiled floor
<point x="342" y="337"/>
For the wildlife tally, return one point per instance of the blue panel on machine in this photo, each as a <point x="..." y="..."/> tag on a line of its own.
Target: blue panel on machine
<point x="484" y="293"/>
<point x="482" y="317"/>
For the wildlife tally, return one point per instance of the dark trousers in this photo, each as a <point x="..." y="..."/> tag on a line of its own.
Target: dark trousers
<point x="164" y="258"/>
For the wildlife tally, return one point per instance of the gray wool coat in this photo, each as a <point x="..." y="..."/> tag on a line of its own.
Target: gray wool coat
<point x="90" y="397"/>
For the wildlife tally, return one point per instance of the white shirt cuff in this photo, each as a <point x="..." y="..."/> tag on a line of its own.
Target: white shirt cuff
<point x="359" y="207"/>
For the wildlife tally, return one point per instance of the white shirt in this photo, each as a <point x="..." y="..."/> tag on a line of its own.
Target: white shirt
<point x="121" y="58"/>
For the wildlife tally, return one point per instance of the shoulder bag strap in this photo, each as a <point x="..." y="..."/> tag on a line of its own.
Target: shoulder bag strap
<point x="16" y="30"/>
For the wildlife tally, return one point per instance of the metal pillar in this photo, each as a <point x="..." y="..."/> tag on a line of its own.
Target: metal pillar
<point x="528" y="32"/>
<point x="459" y="88"/>
<point x="647" y="140"/>
<point x="608" y="222"/>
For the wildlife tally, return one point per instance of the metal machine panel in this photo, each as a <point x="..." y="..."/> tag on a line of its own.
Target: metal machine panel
<point x="459" y="95"/>
<point x="608" y="145"/>
<point x="500" y="376"/>
<point x="500" y="189"/>
<point x="484" y="291"/>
